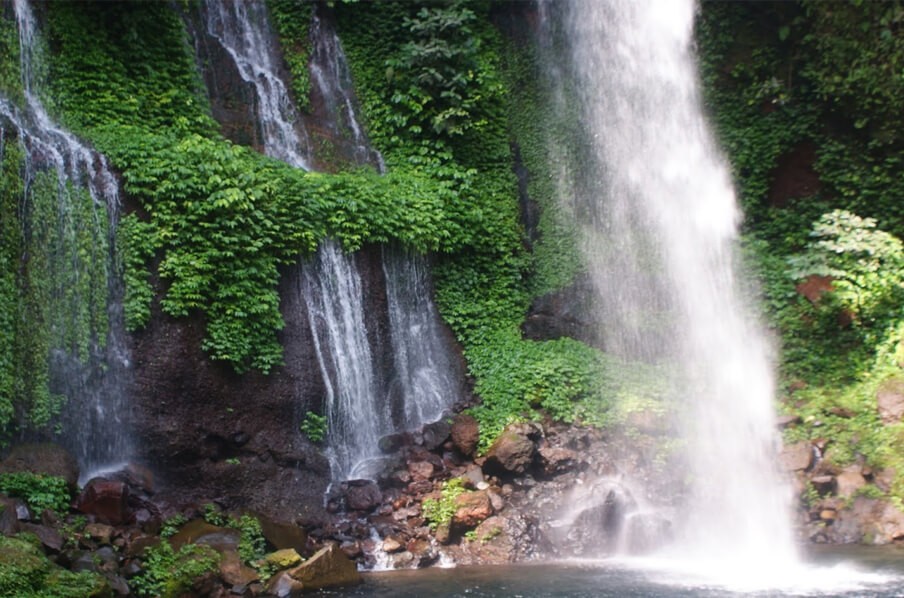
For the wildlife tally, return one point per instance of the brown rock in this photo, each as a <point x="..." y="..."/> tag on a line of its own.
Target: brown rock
<point x="234" y="572"/>
<point x="283" y="535"/>
<point x="328" y="568"/>
<point x="472" y="508"/>
<point x="45" y="458"/>
<point x="797" y="456"/>
<point x="465" y="433"/>
<point x="420" y="470"/>
<point x="514" y="450"/>
<point x="785" y="421"/>
<point x="392" y="544"/>
<point x="849" y="481"/>
<point x="363" y="495"/>
<point x="828" y="514"/>
<point x="198" y="531"/>
<point x="823" y="484"/>
<point x="50" y="538"/>
<point x="106" y="501"/>
<point x="100" y="532"/>
<point x="557" y="459"/>
<point x="443" y="533"/>
<point x="870" y="521"/>
<point x="814" y="287"/>
<point x="890" y="400"/>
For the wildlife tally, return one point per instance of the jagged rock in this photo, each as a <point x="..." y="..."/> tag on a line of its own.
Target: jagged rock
<point x="363" y="495"/>
<point x="557" y="459"/>
<point x="797" y="456"/>
<point x="514" y="450"/>
<point x="849" y="481"/>
<point x="105" y="500"/>
<point x="50" y="538"/>
<point x="471" y="508"/>
<point x="465" y="433"/>
<point x="890" y="400"/>
<point x="435" y="434"/>
<point x="45" y="458"/>
<point x="328" y="568"/>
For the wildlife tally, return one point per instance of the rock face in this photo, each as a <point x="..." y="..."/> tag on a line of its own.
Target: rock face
<point x="870" y="521"/>
<point x="46" y="458"/>
<point x="796" y="457"/>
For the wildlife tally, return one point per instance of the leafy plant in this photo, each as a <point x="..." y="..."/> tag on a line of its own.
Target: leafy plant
<point x="314" y="426"/>
<point x="252" y="545"/>
<point x="168" y="573"/>
<point x="440" y="511"/>
<point x="39" y="491"/>
<point x="172" y="524"/>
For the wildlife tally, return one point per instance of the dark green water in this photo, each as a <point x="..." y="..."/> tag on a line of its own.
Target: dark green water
<point x="858" y="572"/>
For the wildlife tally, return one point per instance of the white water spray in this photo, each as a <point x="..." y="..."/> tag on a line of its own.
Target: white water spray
<point x="661" y="237"/>
<point x="94" y="384"/>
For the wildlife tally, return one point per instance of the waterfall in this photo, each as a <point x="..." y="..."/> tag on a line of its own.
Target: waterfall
<point x="92" y="378"/>
<point x="659" y="225"/>
<point x="329" y="70"/>
<point x="243" y="29"/>
<point x="357" y="417"/>
<point x="358" y="411"/>
<point x="424" y="383"/>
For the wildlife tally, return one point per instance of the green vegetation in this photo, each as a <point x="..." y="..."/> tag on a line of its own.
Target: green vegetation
<point x="39" y="491"/>
<point x="817" y="152"/>
<point x="26" y="573"/>
<point x="439" y="512"/>
<point x="314" y="426"/>
<point x="292" y="21"/>
<point x="169" y="573"/>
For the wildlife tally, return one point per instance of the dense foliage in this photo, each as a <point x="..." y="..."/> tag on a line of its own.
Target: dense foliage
<point x="807" y="99"/>
<point x="39" y="492"/>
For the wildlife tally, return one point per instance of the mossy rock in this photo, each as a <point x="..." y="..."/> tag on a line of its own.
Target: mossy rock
<point x="25" y="572"/>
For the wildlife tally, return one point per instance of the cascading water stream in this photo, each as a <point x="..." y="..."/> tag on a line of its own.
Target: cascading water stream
<point x="243" y="29"/>
<point x="357" y="411"/>
<point x="660" y="228"/>
<point x="424" y="381"/>
<point x="93" y="384"/>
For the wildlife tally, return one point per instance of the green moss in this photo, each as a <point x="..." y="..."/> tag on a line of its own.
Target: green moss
<point x="26" y="573"/>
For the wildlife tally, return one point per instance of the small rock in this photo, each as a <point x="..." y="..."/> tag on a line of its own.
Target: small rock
<point x="471" y="508"/>
<point x="465" y="433"/>
<point x="351" y="548"/>
<point x="785" y="421"/>
<point x="420" y="470"/>
<point x="392" y="544"/>
<point x="557" y="459"/>
<point x="234" y="572"/>
<point x="283" y="558"/>
<point x="797" y="456"/>
<point x="435" y="434"/>
<point x="284" y="585"/>
<point x="828" y="514"/>
<point x="823" y="484"/>
<point x="100" y="532"/>
<point x="849" y="481"/>
<point x="50" y="538"/>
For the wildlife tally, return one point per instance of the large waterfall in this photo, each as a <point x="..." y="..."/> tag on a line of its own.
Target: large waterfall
<point x="660" y="229"/>
<point x="71" y="222"/>
<point x="356" y="405"/>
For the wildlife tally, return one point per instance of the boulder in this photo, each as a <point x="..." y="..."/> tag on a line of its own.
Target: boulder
<point x="435" y="434"/>
<point x="107" y="501"/>
<point x="465" y="433"/>
<point x="101" y="532"/>
<point x="198" y="531"/>
<point x="328" y="568"/>
<point x="284" y="535"/>
<point x="363" y="495"/>
<point x="890" y="400"/>
<point x="514" y="450"/>
<point x="797" y="456"/>
<point x="50" y="538"/>
<point x="420" y="470"/>
<point x="471" y="508"/>
<point x="283" y="585"/>
<point x="283" y="558"/>
<point x="869" y="521"/>
<point x="392" y="544"/>
<point x="45" y="458"/>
